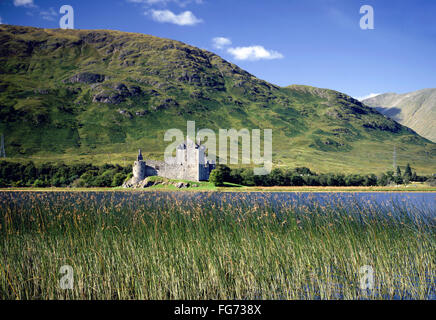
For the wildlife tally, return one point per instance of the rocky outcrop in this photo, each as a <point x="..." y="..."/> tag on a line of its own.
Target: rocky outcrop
<point x="116" y="94"/>
<point x="125" y="113"/>
<point x="150" y="182"/>
<point x="86" y="77"/>
<point x="165" y="104"/>
<point x="387" y="125"/>
<point x="141" y="113"/>
<point x="182" y="185"/>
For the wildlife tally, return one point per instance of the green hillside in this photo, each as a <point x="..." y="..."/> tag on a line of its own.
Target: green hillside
<point x="97" y="96"/>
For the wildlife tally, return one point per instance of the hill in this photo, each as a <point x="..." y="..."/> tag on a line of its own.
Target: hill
<point x="97" y="96"/>
<point x="416" y="110"/>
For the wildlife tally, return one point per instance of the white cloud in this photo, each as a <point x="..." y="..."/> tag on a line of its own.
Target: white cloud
<point x="221" y="42"/>
<point x="24" y="3"/>
<point x="371" y="95"/>
<point x="181" y="3"/>
<point x="254" y="53"/>
<point x="186" y="18"/>
<point x="50" y="14"/>
<point x="1" y="21"/>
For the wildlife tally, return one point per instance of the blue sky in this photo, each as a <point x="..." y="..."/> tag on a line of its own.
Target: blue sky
<point x="313" y="42"/>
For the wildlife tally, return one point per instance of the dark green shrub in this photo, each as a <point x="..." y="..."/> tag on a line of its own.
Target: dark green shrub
<point x="216" y="177"/>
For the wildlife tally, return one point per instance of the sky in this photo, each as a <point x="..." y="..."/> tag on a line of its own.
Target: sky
<point x="312" y="42"/>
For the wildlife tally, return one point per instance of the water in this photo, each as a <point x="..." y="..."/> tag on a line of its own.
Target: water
<point x="412" y="202"/>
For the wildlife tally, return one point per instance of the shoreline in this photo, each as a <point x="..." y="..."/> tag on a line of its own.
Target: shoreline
<point x="240" y="189"/>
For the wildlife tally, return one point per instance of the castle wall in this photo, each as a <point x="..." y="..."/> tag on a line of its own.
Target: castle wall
<point x="204" y="171"/>
<point x="177" y="171"/>
<point x="190" y="164"/>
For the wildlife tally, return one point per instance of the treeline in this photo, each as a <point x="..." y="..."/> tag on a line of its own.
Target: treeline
<point x="14" y="174"/>
<point x="305" y="177"/>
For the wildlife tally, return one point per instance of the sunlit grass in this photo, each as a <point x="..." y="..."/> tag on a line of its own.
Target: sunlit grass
<point x="210" y="246"/>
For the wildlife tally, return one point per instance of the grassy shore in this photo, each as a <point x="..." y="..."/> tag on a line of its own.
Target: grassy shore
<point x="208" y="187"/>
<point x="410" y="188"/>
<point x="169" y="245"/>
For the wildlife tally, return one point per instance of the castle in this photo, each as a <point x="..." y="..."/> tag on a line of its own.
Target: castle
<point x="190" y="164"/>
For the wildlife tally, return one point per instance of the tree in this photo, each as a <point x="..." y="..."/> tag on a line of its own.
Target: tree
<point x="371" y="180"/>
<point x="277" y="177"/>
<point x="105" y="179"/>
<point x="30" y="172"/>
<point x="247" y="176"/>
<point x="89" y="178"/>
<point x="225" y="171"/>
<point x="3" y="183"/>
<point x="390" y="176"/>
<point x="414" y="176"/>
<point x="38" y="183"/>
<point x="354" y="180"/>
<point x="311" y="180"/>
<point x="408" y="173"/>
<point x="303" y="171"/>
<point x="235" y="176"/>
<point x="383" y="180"/>
<point x="399" y="172"/>
<point x="262" y="180"/>
<point x="118" y="179"/>
<point x="398" y="177"/>
<point x="216" y="177"/>
<point x="222" y="174"/>
<point x="296" y="180"/>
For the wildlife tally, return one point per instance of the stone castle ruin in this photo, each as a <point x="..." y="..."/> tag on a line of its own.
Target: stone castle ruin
<point x="190" y="164"/>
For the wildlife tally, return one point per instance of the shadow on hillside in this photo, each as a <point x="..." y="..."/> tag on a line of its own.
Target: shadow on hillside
<point x="392" y="113"/>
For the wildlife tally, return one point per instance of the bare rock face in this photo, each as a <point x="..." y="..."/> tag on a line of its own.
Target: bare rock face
<point x="135" y="184"/>
<point x="86" y="77"/>
<point x="182" y="185"/>
<point x="147" y="183"/>
<point x="116" y="94"/>
<point x="108" y="97"/>
<point x="128" y="184"/>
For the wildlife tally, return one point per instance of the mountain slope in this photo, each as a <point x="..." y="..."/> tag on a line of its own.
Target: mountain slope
<point x="97" y="95"/>
<point x="416" y="110"/>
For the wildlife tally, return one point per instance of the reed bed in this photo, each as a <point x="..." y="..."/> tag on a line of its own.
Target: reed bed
<point x="212" y="246"/>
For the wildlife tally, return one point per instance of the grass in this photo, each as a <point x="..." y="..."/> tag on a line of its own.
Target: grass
<point x="231" y="187"/>
<point x="418" y="187"/>
<point x="44" y="119"/>
<point x="167" y="245"/>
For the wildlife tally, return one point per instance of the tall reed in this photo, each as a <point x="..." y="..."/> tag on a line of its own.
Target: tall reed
<point x="212" y="246"/>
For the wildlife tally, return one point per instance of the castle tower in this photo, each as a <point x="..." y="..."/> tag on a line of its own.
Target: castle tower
<point x="139" y="169"/>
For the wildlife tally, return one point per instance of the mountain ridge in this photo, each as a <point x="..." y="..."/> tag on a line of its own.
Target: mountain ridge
<point x="87" y="95"/>
<point x="416" y="109"/>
